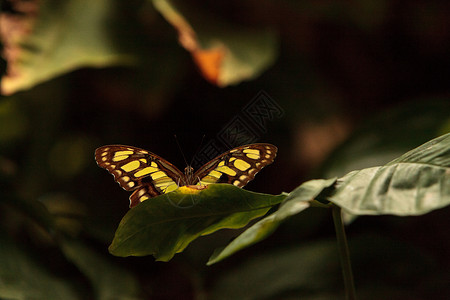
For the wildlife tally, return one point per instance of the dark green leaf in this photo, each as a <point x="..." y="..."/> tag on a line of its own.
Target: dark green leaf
<point x="165" y="225"/>
<point x="312" y="271"/>
<point x="268" y="276"/>
<point x="22" y="276"/>
<point x="414" y="184"/>
<point x="389" y="135"/>
<point x="109" y="281"/>
<point x="295" y="202"/>
<point x="33" y="209"/>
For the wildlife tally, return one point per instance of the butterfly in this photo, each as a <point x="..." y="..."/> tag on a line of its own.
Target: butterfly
<point x="149" y="175"/>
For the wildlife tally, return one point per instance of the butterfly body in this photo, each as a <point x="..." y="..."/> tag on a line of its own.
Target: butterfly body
<point x="149" y="175"/>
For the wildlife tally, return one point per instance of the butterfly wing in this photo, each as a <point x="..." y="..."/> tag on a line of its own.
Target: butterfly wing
<point x="138" y="170"/>
<point x="237" y="166"/>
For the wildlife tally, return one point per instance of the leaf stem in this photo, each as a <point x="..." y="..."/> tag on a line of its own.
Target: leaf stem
<point x="344" y="253"/>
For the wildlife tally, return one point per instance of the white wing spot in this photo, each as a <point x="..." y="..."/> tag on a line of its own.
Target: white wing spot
<point x="243" y="177"/>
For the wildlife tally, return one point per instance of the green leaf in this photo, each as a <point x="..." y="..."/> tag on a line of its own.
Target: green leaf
<point x="389" y="135"/>
<point x="413" y="184"/>
<point x="23" y="276"/>
<point x="33" y="209"/>
<point x="311" y="267"/>
<point x="225" y="53"/>
<point x="312" y="271"/>
<point x="58" y="37"/>
<point x="165" y="225"/>
<point x="295" y="202"/>
<point x="109" y="281"/>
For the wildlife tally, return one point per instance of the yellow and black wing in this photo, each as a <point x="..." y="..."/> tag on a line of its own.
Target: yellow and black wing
<point x="237" y="166"/>
<point x="139" y="170"/>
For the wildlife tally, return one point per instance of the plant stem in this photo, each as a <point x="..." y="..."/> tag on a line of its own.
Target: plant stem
<point x="344" y="253"/>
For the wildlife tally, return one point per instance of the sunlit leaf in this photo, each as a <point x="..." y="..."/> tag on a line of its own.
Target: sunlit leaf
<point x="165" y="225"/>
<point x="413" y="184"/>
<point x="295" y="202"/>
<point x="224" y="53"/>
<point x="48" y="38"/>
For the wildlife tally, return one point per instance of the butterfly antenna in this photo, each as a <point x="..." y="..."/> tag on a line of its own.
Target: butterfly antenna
<point x="198" y="149"/>
<point x="181" y="150"/>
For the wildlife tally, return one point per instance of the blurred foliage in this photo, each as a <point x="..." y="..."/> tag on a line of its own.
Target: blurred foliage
<point x="366" y="78"/>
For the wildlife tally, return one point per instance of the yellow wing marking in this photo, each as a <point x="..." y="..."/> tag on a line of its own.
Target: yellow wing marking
<point x="119" y="155"/>
<point x="165" y="184"/>
<point x="133" y="165"/>
<point x="215" y="174"/>
<point x="241" y="165"/>
<point x="158" y="175"/>
<point x="167" y="188"/>
<point x="212" y="177"/>
<point x="123" y="152"/>
<point x="251" y="151"/>
<point x="243" y="177"/>
<point x="227" y="170"/>
<point x="145" y="171"/>
<point x="252" y="155"/>
<point x="143" y="198"/>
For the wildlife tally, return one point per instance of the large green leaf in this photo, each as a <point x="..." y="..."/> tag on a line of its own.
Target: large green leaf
<point x="58" y="37"/>
<point x="165" y="225"/>
<point x="296" y="202"/>
<point x="413" y="184"/>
